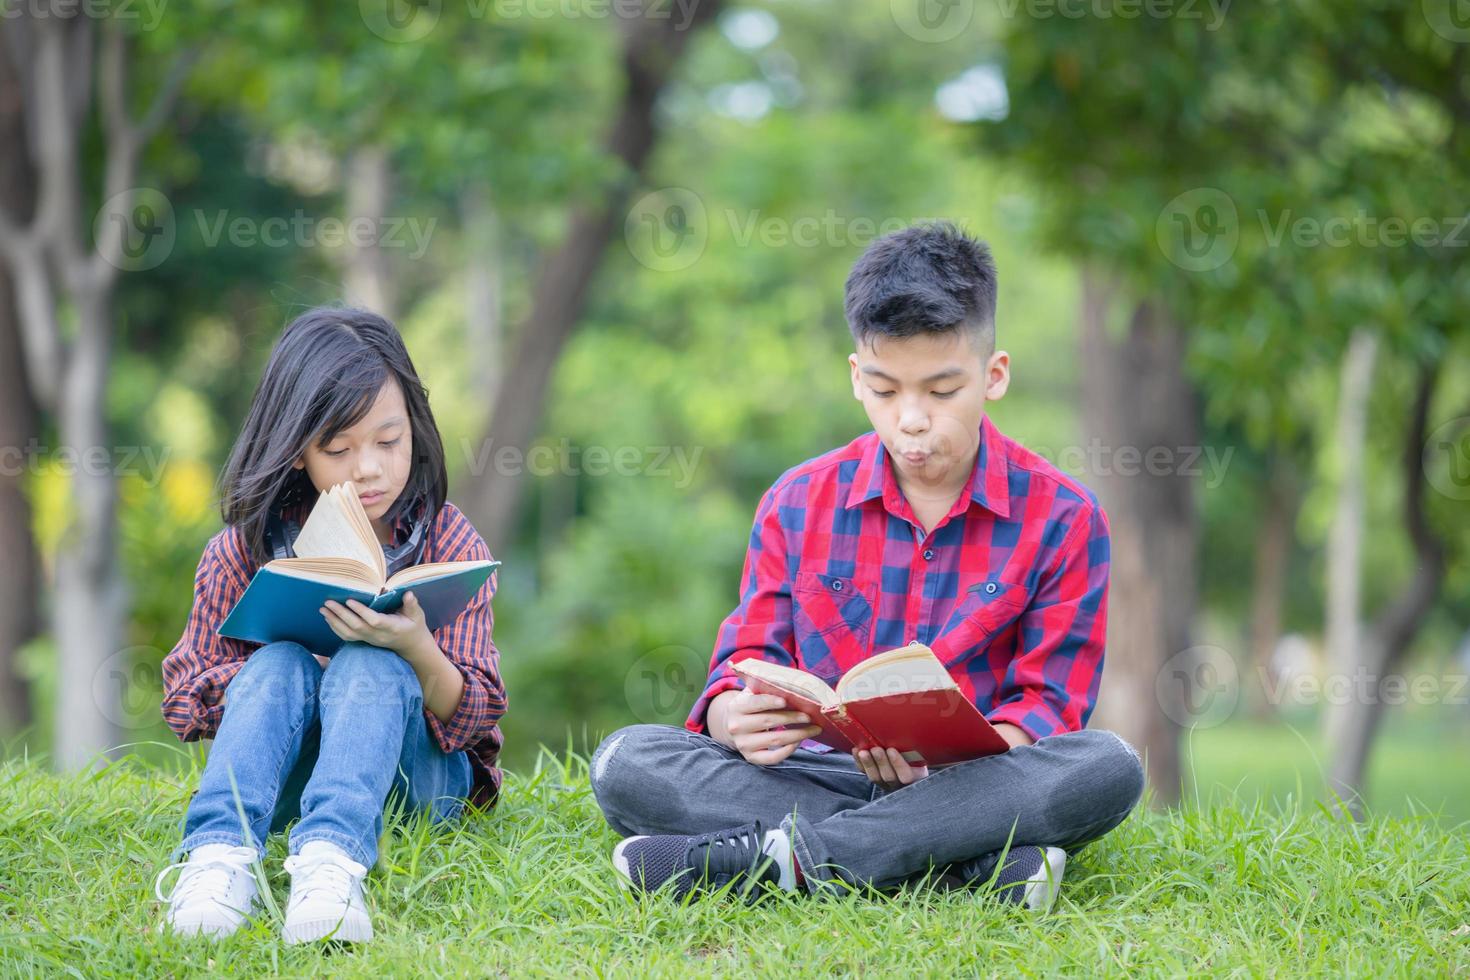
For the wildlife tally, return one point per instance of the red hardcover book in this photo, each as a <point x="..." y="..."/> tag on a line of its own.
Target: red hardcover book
<point x="903" y="699"/>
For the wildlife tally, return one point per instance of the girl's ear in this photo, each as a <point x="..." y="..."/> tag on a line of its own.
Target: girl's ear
<point x="300" y="462"/>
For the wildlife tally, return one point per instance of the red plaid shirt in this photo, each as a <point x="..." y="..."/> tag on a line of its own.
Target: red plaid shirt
<point x="202" y="664"/>
<point x="1009" y="590"/>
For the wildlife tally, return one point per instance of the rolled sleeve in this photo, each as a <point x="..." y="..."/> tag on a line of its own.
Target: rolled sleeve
<point x="760" y="626"/>
<point x="468" y="643"/>
<point x="202" y="663"/>
<point x="1051" y="685"/>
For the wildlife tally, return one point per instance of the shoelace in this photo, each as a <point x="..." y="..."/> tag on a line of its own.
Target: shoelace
<point x="727" y="855"/>
<point x="197" y="876"/>
<point x="328" y="873"/>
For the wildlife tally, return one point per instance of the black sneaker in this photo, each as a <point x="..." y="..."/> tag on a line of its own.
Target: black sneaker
<point x="749" y="856"/>
<point x="1032" y="875"/>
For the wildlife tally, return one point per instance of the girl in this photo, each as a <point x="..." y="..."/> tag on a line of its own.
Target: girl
<point x="399" y="710"/>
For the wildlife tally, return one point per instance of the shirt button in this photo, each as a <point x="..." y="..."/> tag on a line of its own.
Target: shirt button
<point x="928" y="554"/>
<point x="837" y="585"/>
<point x="990" y="588"/>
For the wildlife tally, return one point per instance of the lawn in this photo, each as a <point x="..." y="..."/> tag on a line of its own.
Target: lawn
<point x="1420" y="761"/>
<point x="1241" y="886"/>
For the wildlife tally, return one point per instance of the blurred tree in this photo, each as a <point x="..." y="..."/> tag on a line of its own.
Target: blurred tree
<point x="652" y="44"/>
<point x="52" y="264"/>
<point x="1154" y="162"/>
<point x="20" y="574"/>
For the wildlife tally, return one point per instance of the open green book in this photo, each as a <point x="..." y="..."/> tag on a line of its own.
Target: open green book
<point x="338" y="557"/>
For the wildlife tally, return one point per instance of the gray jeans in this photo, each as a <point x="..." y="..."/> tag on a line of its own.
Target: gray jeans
<point x="1063" y="791"/>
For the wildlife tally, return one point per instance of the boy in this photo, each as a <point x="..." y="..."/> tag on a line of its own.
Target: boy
<point x="934" y="527"/>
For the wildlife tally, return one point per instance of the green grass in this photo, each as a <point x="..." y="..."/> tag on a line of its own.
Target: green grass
<point x="1239" y="887"/>
<point x="1419" y="761"/>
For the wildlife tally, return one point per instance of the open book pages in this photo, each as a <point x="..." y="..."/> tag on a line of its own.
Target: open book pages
<point x="337" y="545"/>
<point x="339" y="529"/>
<point x="788" y="679"/>
<point x="900" y="671"/>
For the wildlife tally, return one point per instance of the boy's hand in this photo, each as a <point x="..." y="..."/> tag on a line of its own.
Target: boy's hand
<point x="888" y="768"/>
<point x="752" y="723"/>
<point x="401" y="632"/>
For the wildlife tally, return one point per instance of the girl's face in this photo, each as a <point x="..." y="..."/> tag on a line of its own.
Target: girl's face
<point x="375" y="454"/>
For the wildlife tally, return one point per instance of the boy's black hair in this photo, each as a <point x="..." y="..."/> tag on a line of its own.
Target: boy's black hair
<point x="323" y="376"/>
<point x="927" y="279"/>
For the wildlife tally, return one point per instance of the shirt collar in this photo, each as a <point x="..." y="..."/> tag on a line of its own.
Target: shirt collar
<point x="989" y="484"/>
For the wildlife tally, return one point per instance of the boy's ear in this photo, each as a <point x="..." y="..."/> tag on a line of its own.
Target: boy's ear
<point x="852" y="362"/>
<point x="997" y="375"/>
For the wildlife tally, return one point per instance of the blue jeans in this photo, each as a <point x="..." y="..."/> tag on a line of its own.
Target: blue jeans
<point x="327" y="745"/>
<point x="1063" y="791"/>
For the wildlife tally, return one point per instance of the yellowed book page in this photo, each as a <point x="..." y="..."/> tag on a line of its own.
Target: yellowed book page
<point x="334" y="571"/>
<point x="352" y="507"/>
<point x="433" y="569"/>
<point x="898" y="671"/>
<point x="330" y="531"/>
<point x="789" y="678"/>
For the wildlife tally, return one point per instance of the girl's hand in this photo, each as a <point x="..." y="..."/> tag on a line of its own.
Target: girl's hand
<point x="402" y="632"/>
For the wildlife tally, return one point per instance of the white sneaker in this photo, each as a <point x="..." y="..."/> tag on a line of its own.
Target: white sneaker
<point x="1032" y="876"/>
<point x="214" y="894"/>
<point x="326" y="896"/>
<point x="1046" y="883"/>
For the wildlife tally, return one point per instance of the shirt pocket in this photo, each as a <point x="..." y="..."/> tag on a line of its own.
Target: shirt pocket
<point x="832" y="619"/>
<point x="984" y="610"/>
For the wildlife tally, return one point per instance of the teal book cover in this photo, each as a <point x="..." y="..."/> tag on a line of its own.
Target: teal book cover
<point x="278" y="606"/>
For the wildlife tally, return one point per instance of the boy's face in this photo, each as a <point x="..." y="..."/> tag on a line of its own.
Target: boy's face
<point x="926" y="396"/>
<point x="375" y="454"/>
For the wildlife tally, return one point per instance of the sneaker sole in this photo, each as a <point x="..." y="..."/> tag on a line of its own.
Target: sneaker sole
<point x="204" y="928"/>
<point x="349" y="929"/>
<point x="199" y="930"/>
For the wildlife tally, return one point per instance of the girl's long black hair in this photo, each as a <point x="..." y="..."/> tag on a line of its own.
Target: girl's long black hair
<point x="322" y="377"/>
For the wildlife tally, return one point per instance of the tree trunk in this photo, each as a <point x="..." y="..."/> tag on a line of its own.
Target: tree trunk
<point x="368" y="280"/>
<point x="20" y="573"/>
<point x="1268" y="583"/>
<point x="1136" y="397"/>
<point x="48" y="257"/>
<point x="483" y="293"/>
<point x="652" y="47"/>
<point x="90" y="594"/>
<point x="1386" y="642"/>
<point x="1345" y="537"/>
